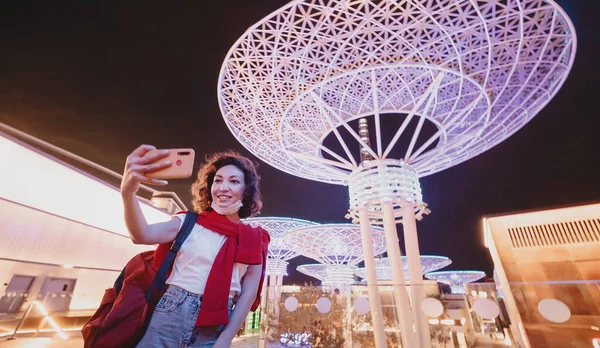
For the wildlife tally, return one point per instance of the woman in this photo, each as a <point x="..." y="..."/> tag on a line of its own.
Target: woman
<point x="221" y="255"/>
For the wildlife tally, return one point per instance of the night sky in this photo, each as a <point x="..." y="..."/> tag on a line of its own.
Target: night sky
<point x="98" y="78"/>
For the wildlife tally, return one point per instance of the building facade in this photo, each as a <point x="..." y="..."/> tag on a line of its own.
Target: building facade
<point x="547" y="265"/>
<point x="63" y="240"/>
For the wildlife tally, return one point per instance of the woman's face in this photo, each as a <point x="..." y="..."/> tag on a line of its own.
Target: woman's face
<point x="228" y="186"/>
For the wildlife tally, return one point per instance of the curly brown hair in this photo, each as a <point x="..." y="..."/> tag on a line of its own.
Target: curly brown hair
<point x="201" y="196"/>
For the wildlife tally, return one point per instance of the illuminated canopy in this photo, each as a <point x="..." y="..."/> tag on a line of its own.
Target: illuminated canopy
<point x="475" y="71"/>
<point x="329" y="275"/>
<point x="429" y="263"/>
<point x="279" y="251"/>
<point x="456" y="279"/>
<point x="334" y="244"/>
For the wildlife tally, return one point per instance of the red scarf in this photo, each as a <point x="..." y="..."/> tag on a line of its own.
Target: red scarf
<point x="244" y="244"/>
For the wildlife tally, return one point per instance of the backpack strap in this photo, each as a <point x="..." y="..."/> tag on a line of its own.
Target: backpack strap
<point x="119" y="282"/>
<point x="161" y="275"/>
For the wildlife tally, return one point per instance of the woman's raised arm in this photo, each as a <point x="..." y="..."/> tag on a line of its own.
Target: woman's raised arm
<point x="136" y="167"/>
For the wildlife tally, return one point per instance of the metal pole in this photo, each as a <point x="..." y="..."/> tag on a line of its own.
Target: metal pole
<point x="262" y="340"/>
<point x="399" y="284"/>
<point x="277" y="298"/>
<point x="347" y="293"/>
<point x="14" y="334"/>
<point x="272" y="308"/>
<point x="413" y="256"/>
<point x="372" y="284"/>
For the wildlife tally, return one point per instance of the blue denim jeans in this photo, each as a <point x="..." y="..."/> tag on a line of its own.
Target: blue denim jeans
<point x="174" y="319"/>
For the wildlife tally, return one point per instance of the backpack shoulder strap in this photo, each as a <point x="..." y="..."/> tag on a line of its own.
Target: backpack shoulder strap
<point x="161" y="275"/>
<point x="185" y="230"/>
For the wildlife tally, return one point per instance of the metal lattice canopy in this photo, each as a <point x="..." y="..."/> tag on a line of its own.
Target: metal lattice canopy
<point x="334" y="275"/>
<point x="278" y="227"/>
<point x="473" y="71"/>
<point x="429" y="263"/>
<point x="334" y="244"/>
<point x="456" y="279"/>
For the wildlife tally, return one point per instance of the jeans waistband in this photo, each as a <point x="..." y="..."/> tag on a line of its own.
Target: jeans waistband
<point x="188" y="293"/>
<point x="184" y="291"/>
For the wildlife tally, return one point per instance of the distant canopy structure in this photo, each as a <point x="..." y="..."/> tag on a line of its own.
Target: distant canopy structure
<point x="429" y="263"/>
<point x="279" y="252"/>
<point x="337" y="246"/>
<point x="329" y="275"/>
<point x="456" y="279"/>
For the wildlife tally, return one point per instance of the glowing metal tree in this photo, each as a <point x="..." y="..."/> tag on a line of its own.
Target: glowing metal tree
<point x="475" y="71"/>
<point x="277" y="260"/>
<point x="337" y="246"/>
<point x="279" y="251"/>
<point x="456" y="279"/>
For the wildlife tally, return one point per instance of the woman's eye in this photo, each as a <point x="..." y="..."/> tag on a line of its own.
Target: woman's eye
<point x="235" y="181"/>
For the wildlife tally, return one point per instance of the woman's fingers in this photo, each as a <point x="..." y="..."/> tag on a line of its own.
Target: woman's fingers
<point x="158" y="182"/>
<point x="141" y="155"/>
<point x="146" y="168"/>
<point x="138" y="164"/>
<point x="139" y="177"/>
<point x="156" y="166"/>
<point x="142" y="149"/>
<point x="152" y="157"/>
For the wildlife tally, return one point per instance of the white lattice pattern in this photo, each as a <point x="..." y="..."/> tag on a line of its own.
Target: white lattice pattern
<point x="376" y="182"/>
<point x="429" y="263"/>
<point x="278" y="227"/>
<point x="334" y="244"/>
<point x="476" y="70"/>
<point x="329" y="275"/>
<point x="456" y="279"/>
<point x="276" y="267"/>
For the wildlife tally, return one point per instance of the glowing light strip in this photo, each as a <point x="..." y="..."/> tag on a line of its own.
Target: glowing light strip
<point x="38" y="181"/>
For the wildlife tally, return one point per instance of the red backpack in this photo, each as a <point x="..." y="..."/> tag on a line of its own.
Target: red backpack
<point x="126" y="308"/>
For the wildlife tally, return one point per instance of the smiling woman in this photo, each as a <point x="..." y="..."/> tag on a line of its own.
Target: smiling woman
<point x="216" y="275"/>
<point x="226" y="174"/>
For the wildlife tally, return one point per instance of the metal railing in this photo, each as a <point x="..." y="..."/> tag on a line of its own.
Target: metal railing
<point x="46" y="319"/>
<point x="15" y="134"/>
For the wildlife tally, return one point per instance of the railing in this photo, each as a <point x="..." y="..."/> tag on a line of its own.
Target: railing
<point x="40" y="317"/>
<point x="315" y="316"/>
<point x="543" y="314"/>
<point x="101" y="172"/>
<point x="528" y="315"/>
<point x="46" y="319"/>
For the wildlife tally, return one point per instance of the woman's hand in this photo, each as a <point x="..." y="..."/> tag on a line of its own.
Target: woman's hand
<point x="138" y="165"/>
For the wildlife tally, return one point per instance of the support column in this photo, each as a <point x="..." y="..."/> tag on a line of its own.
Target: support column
<point x="273" y="307"/>
<point x="413" y="256"/>
<point x="348" y="325"/>
<point x="409" y="339"/>
<point x="277" y="298"/>
<point x="262" y="340"/>
<point x="372" y="283"/>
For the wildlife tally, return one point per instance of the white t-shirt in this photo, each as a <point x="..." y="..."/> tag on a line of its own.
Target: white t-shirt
<point x="195" y="259"/>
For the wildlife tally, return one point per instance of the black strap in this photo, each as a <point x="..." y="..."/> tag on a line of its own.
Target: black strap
<point x="161" y="275"/>
<point x="119" y="282"/>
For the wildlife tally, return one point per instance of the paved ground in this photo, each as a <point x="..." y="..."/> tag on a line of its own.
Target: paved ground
<point x="250" y="341"/>
<point x="246" y="342"/>
<point x="486" y="342"/>
<point x="42" y="343"/>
